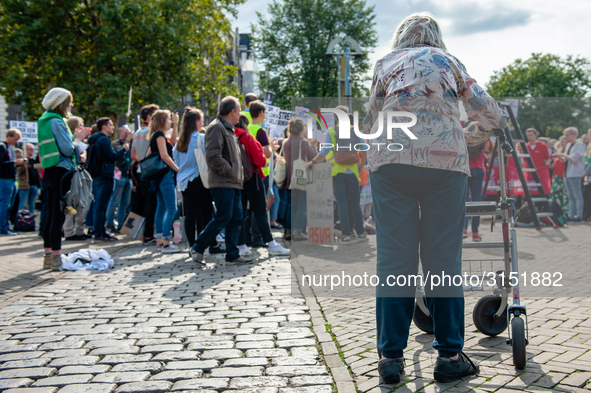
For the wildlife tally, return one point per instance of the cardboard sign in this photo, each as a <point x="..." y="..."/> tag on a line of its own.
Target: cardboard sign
<point x="320" y="204"/>
<point x="133" y="226"/>
<point x="28" y="129"/>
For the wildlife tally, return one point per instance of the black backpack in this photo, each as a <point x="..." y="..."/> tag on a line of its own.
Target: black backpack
<point x="475" y="151"/>
<point x="93" y="164"/>
<point x="25" y="221"/>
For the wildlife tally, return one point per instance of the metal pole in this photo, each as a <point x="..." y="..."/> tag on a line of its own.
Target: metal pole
<point x="347" y="82"/>
<point x="339" y="74"/>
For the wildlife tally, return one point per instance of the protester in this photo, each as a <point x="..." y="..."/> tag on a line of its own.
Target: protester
<point x="197" y="200"/>
<point x="253" y="192"/>
<point x="225" y="176"/>
<point x="345" y="184"/>
<point x="8" y="164"/>
<point x="28" y="180"/>
<point x="587" y="186"/>
<point x="432" y="182"/>
<point x="248" y="99"/>
<point x="146" y="195"/>
<point x="296" y="199"/>
<point x="121" y="196"/>
<point x="164" y="185"/>
<point x="558" y="192"/>
<point x="74" y="224"/>
<point x="475" y="181"/>
<point x="541" y="158"/>
<point x="104" y="158"/>
<point x="574" y="160"/>
<point x="58" y="152"/>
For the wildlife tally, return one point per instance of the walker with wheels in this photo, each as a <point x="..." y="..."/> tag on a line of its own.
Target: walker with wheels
<point x="492" y="314"/>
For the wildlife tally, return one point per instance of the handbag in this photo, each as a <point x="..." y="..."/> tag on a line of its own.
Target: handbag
<point x="152" y="167"/>
<point x="201" y="164"/>
<point x="299" y="177"/>
<point x="280" y="174"/>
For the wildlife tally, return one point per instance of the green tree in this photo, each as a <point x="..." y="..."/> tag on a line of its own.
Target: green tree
<point x="292" y="43"/>
<point x="553" y="92"/>
<point x="98" y="49"/>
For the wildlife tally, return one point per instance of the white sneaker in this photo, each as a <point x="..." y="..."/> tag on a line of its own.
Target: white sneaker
<point x="220" y="238"/>
<point x="170" y="249"/>
<point x="245" y="252"/>
<point x="279" y="251"/>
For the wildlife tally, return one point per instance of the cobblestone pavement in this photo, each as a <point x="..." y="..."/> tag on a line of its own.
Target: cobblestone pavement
<point x="159" y="323"/>
<point x="21" y="262"/>
<point x="559" y="356"/>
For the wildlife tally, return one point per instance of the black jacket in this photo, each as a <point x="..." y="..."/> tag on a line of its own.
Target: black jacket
<point x="7" y="167"/>
<point x="106" y="155"/>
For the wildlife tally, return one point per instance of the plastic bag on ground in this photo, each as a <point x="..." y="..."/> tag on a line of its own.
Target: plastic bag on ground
<point x="87" y="260"/>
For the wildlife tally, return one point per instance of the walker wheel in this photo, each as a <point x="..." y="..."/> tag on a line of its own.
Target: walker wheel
<point x="483" y="316"/>
<point x="422" y="320"/>
<point x="518" y="342"/>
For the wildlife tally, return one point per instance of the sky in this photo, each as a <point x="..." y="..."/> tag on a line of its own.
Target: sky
<point x="484" y="35"/>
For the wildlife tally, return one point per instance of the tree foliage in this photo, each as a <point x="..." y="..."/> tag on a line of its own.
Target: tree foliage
<point x="553" y="92"/>
<point x="292" y="43"/>
<point x="98" y="49"/>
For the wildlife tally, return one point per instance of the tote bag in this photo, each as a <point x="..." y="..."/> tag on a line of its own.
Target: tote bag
<point x="201" y="164"/>
<point x="280" y="174"/>
<point x="299" y="177"/>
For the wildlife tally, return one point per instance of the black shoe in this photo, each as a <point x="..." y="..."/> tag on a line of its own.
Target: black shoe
<point x="110" y="235"/>
<point x="104" y="238"/>
<point x="259" y="243"/>
<point x="390" y="370"/>
<point x="217" y="250"/>
<point x="447" y="370"/>
<point x="113" y="230"/>
<point x="245" y="259"/>
<point x="77" y="238"/>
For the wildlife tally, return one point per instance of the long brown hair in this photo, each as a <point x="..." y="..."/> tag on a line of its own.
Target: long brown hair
<point x="158" y="121"/>
<point x="63" y="109"/>
<point x="190" y="118"/>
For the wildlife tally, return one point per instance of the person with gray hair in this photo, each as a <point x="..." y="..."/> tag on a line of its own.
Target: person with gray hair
<point x="574" y="160"/>
<point x="420" y="190"/>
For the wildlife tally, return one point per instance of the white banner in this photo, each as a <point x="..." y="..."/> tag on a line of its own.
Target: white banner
<point x="27" y="128"/>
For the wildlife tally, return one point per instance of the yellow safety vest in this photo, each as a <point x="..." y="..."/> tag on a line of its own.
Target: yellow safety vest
<point x="254" y="129"/>
<point x="248" y="116"/>
<point x="336" y="168"/>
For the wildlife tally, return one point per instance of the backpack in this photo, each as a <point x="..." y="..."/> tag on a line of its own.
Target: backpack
<point x="80" y="193"/>
<point x="345" y="157"/>
<point x="475" y="151"/>
<point x="25" y="221"/>
<point x="246" y="164"/>
<point x="93" y="165"/>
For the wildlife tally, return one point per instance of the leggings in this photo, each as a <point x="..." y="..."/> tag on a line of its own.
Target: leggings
<point x="197" y="203"/>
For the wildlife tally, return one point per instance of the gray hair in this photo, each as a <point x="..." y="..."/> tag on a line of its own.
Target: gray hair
<point x="419" y="28"/>
<point x="571" y="130"/>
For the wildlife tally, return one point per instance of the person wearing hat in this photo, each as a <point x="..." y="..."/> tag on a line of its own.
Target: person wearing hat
<point x="58" y="150"/>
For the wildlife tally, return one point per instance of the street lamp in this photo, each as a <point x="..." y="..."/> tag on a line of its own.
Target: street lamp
<point x="350" y="49"/>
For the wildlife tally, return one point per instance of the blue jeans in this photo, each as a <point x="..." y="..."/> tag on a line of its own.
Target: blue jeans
<point x="275" y="206"/>
<point x="298" y="209"/>
<point x="165" y="207"/>
<point x="7" y="195"/>
<point x="28" y="198"/>
<point x="400" y="193"/>
<point x="120" y="197"/>
<point x="574" y="188"/>
<point x="474" y="194"/>
<point x="104" y="189"/>
<point x="228" y="214"/>
<point x="346" y="191"/>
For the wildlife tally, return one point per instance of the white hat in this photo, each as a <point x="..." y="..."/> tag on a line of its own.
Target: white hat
<point x="54" y="98"/>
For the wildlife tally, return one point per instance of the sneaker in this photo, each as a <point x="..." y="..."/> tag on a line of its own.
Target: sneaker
<point x="476" y="237"/>
<point x="76" y="238"/>
<point x="279" y="251"/>
<point x="170" y="249"/>
<point x="217" y="250"/>
<point x="220" y="238"/>
<point x="104" y="238"/>
<point x="287" y="236"/>
<point x="90" y="232"/>
<point x="346" y="239"/>
<point x="114" y="230"/>
<point x="7" y="233"/>
<point x="447" y="370"/>
<point x="298" y="236"/>
<point x="196" y="257"/>
<point x="241" y="260"/>
<point x="276" y="226"/>
<point x="465" y="233"/>
<point x="363" y="237"/>
<point x="247" y="252"/>
<point x="390" y="370"/>
<point x="578" y="219"/>
<point x="149" y="242"/>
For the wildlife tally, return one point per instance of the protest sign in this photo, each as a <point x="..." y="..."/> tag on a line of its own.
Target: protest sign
<point x="318" y="130"/>
<point x="320" y="204"/>
<point x="27" y="128"/>
<point x="276" y="120"/>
